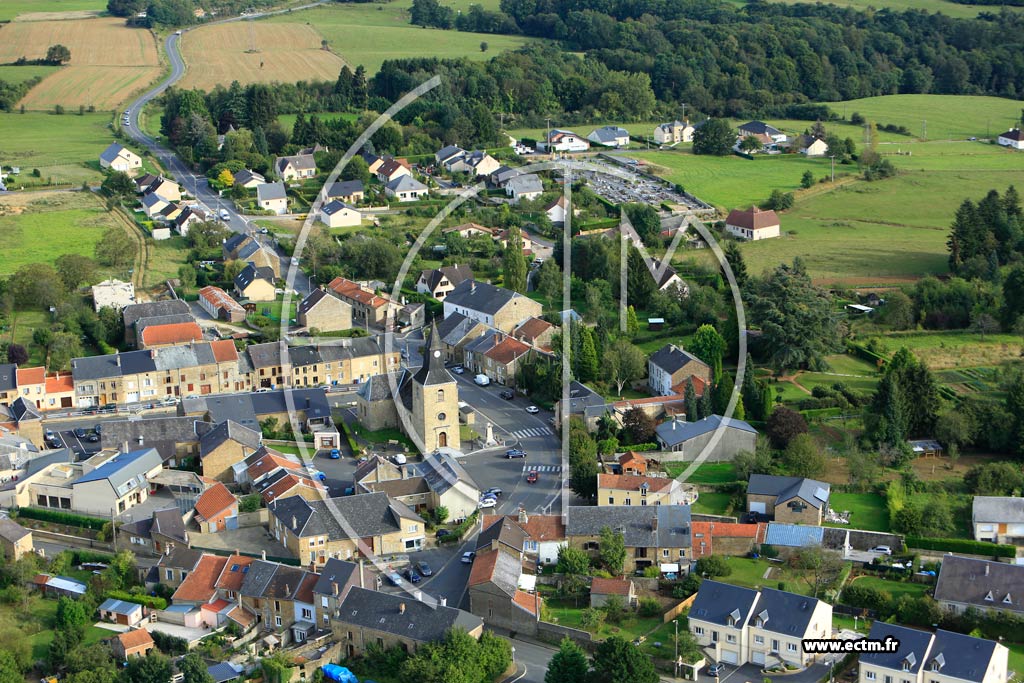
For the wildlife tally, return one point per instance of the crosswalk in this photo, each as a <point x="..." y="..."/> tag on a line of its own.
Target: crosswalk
<point x="533" y="431"/>
<point x="542" y="468"/>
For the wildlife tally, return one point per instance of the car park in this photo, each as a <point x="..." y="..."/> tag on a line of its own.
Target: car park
<point x="515" y="453"/>
<point x="468" y="557"/>
<point x="93" y="438"/>
<point x="532" y="410"/>
<point x="532" y="477"/>
<point x="424" y="569"/>
<point x="507" y="394"/>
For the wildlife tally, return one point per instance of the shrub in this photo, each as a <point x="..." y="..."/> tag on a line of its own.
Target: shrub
<point x="651" y="572"/>
<point x="960" y="545"/>
<point x="59" y="517"/>
<point x="866" y="597"/>
<point x="649" y="607"/>
<point x="150" y="601"/>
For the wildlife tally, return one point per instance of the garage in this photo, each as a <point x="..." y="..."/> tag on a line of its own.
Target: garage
<point x="758" y="657"/>
<point x="729" y="657"/>
<point x="757" y="507"/>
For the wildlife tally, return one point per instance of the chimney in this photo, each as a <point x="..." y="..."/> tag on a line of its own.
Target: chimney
<point x="654" y="523"/>
<point x="295" y="523"/>
<point x="142" y="439"/>
<point x="444" y="601"/>
<point x="361" y="573"/>
<point x="334" y="587"/>
<point x="117" y="359"/>
<point x="263" y="555"/>
<point x="494" y="544"/>
<point x="152" y="353"/>
<point x="124" y="447"/>
<point x="401" y="608"/>
<point x="287" y="589"/>
<point x="472" y="286"/>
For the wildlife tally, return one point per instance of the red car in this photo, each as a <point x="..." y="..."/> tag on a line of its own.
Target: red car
<point x="532" y="477"/>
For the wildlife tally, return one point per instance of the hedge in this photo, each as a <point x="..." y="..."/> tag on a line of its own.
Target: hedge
<point x="962" y="545"/>
<point x="459" y="529"/>
<point x="59" y="517"/>
<point x="642" y="447"/>
<point x="812" y="413"/>
<point x="863" y="353"/>
<point x="82" y="556"/>
<point x="356" y="450"/>
<point x="150" y="601"/>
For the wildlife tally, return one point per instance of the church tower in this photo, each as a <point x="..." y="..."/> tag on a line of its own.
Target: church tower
<point x="435" y="400"/>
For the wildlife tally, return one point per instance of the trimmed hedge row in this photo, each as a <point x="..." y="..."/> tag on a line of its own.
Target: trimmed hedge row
<point x="961" y="545"/>
<point x="460" y="529"/>
<point x="862" y="352"/>
<point x="356" y="450"/>
<point x="812" y="413"/>
<point x="58" y="517"/>
<point x="150" y="601"/>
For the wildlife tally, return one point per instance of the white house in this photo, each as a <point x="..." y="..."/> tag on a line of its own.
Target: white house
<point x="556" y="210"/>
<point x="811" y="146"/>
<point x="671" y="133"/>
<point x="272" y="197"/>
<point x="295" y="167"/>
<point x="609" y="136"/>
<point x="564" y="141"/>
<point x="405" y="188"/>
<point x="338" y="214"/>
<point x="926" y="657"/>
<point x="998" y="519"/>
<point x="248" y="179"/>
<point x="119" y="158"/>
<point x="753" y="224"/>
<point x="1012" y="138"/>
<point x="760" y="128"/>
<point x="526" y="186"/>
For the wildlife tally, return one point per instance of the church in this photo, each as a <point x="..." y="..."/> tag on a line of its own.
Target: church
<point x="427" y="405"/>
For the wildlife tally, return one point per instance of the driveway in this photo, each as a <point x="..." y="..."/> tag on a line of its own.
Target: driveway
<point x="751" y="672"/>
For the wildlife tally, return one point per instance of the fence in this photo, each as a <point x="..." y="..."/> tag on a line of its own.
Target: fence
<point x="553" y="633"/>
<point x="674" y="612"/>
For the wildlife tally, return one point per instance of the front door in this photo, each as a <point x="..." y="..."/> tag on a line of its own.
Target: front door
<point x="442" y="440"/>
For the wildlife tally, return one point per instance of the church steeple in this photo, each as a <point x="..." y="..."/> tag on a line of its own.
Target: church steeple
<point x="433" y="370"/>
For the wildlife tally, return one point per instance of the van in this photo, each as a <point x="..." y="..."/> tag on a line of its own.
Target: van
<point x="482" y="380"/>
<point x="224" y="215"/>
<point x="399" y="459"/>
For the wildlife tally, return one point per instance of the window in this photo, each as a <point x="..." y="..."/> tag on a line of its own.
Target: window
<point x="888" y="679"/>
<point x="169" y="574"/>
<point x="277" y="620"/>
<point x="307" y="613"/>
<point x="277" y="605"/>
<point x="643" y="502"/>
<point x="323" y="601"/>
<point x="664" y="553"/>
<point x="758" y="640"/>
<point x="442" y="417"/>
<point x="870" y="675"/>
<point x="327" y="620"/>
<point x="730" y="638"/>
<point x="791" y="647"/>
<point x="629" y="502"/>
<point x="698" y="630"/>
<point x="611" y="500"/>
<point x="440" y="394"/>
<point x="714" y="636"/>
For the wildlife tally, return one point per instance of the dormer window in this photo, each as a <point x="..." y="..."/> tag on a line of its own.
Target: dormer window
<point x="1007" y="600"/>
<point x="988" y="597"/>
<point x="762" y="618"/>
<point x="938" y="662"/>
<point x="909" y="661"/>
<point x="733" y="618"/>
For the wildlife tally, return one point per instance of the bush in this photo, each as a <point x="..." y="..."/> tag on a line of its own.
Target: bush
<point x="649" y="607"/>
<point x="168" y="644"/>
<point x="866" y="597"/>
<point x="651" y="572"/>
<point x="58" y="517"/>
<point x="150" y="601"/>
<point x="960" y="545"/>
<point x="356" y="451"/>
<point x="459" y="529"/>
<point x="713" y="566"/>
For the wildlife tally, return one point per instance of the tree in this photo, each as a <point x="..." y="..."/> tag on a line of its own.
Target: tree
<point x="17" y="354"/>
<point x="906" y="402"/>
<point x="187" y="277"/>
<point x="705" y="408"/>
<point x="118" y="185"/>
<point x="713" y="566"/>
<point x="783" y="425"/>
<point x="586" y="357"/>
<point x="619" y="661"/>
<point x="734" y="257"/>
<point x="514" y="265"/>
<point x="632" y="324"/>
<point x="35" y="285"/>
<point x="75" y="270"/>
<point x="898" y="312"/>
<point x="583" y="476"/>
<point x="994" y="479"/>
<point x="116" y="249"/>
<point x="193" y="668"/>
<point x="709" y="346"/>
<point x="640" y="283"/>
<point x="1013" y="296"/>
<point x="568" y="665"/>
<point x="63" y="347"/>
<point x="549" y="281"/>
<point x="715" y="137"/>
<point x="690" y="404"/>
<point x="803" y="457"/>
<point x="70" y="614"/>
<point x="623" y="363"/>
<point x="807" y="180"/>
<point x="483" y="46"/>
<point x="572" y="561"/>
<point x="645" y="220"/>
<point x="58" y="54"/>
<point x="750" y="143"/>
<point x="226" y="178"/>
<point x="757" y="462"/>
<point x="612" y="550"/>
<point x="638" y="427"/>
<point x="819" y="567"/>
<point x="779" y="200"/>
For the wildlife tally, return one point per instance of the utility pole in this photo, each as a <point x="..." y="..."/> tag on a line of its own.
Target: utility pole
<point x="833" y="158"/>
<point x="924" y="129"/>
<point x="676" y="660"/>
<point x="113" y="528"/>
<point x="547" y="135"/>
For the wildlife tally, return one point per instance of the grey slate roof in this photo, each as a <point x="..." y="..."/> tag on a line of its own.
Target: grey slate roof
<point x="231" y="244"/>
<point x="717" y="601"/>
<point x="247" y="409"/>
<point x="245" y="175"/>
<point x="180" y="557"/>
<point x="162" y="433"/>
<point x="228" y="430"/>
<point x="420" y="621"/>
<point x="671" y="358"/>
<point x="969" y="581"/>
<point x="675" y="432"/>
<point x="505" y="532"/>
<point x="336" y="206"/>
<point x="24" y="411"/>
<point x="442" y="471"/>
<point x="406" y="183"/>
<point x="271" y="191"/>
<point x="446" y="153"/>
<point x="344" y="188"/>
<point x="433" y="371"/>
<point x="112" y="152"/>
<point x="480" y="296"/>
<point x="960" y="656"/>
<point x="787" y="613"/>
<point x="759" y="128"/>
<point x="523" y="183"/>
<point x="11" y="531"/>
<point x="998" y="509"/>
<point x="913" y="649"/>
<point x="606" y="134"/>
<point x="365" y="515"/>
<point x="131" y="314"/>
<point x="455" y="274"/>
<point x="335" y="571"/>
<point x="251" y="273"/>
<point x="672" y="530"/>
<point x="455" y="328"/>
<point x="169" y="523"/>
<point x="298" y="162"/>
<point x="814" y="492"/>
<point x="8" y="377"/>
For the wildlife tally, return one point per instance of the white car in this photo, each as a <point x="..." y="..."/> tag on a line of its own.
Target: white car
<point x="458" y="369"/>
<point x="468" y="557"/>
<point x="224" y="215"/>
<point x="482" y="380"/>
<point x="532" y="410"/>
<point x="487" y="503"/>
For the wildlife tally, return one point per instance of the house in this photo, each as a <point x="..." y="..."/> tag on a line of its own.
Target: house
<point x="405" y="188"/>
<point x="216" y="510"/>
<point x="794" y="500"/>
<point x="175" y="438"/>
<point x="200" y="586"/>
<point x="525" y="186"/>
<point x="367" y="618"/>
<point x="545" y="534"/>
<point x="324" y="312"/>
<point x="165" y="189"/>
<point x="173" y="334"/>
<point x="690" y="438"/>
<point x="189" y="216"/>
<point x="563" y="141"/>
<point x="281" y="597"/>
<point x="670" y="366"/>
<point x="584" y="403"/>
<point x="134" y="643"/>
<point x="336" y="579"/>
<point x="759" y="129"/>
<point x="811" y="146"/>
<point x="144" y="182"/>
<point x="493" y="306"/>
<point x="220" y="305"/>
<point x="272" y="197"/>
<point x="984" y="585"/>
<point x="671" y="133"/>
<point x="726" y="538"/>
<point x="261" y="463"/>
<point x="223" y="446"/>
<point x="753" y="224"/>
<point x="628" y="489"/>
<point x="495" y="592"/>
<point x="113" y="294"/>
<point x="133" y="314"/>
<point x="223" y="672"/>
<point x="602" y="589"/>
<point x="925" y="657"/>
<point x="366" y="524"/>
<point x="998" y="519"/>
<point x="296" y="167"/>
<point x="175" y="565"/>
<point x="248" y="179"/>
<point x="119" y="158"/>
<point x="1013" y="138"/>
<point x="153" y="205"/>
<point x="348" y="191"/>
<point x="15" y="540"/>
<point x="255" y="283"/>
<point x="536" y="332"/>
<point x="247" y="249"/>
<point x="556" y="210"/>
<point x="477" y="163"/>
<point x="468" y="230"/>
<point x="163" y="529"/>
<point x="438" y="282"/>
<point x="338" y="214"/>
<point x="764" y="627"/>
<point x="610" y="136"/>
<point x="448" y="152"/>
<point x="654" y="536"/>
<point x="451" y="486"/>
<point x="368" y="307"/>
<point x="120" y="612"/>
<point x="392" y="169"/>
<point x="291" y="482"/>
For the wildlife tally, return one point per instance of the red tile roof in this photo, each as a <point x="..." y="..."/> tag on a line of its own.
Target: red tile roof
<point x="233" y="574"/>
<point x="630" y="457"/>
<point x="632" y="482"/>
<point x="351" y="290"/>
<point x="507" y="351"/>
<point x="268" y="463"/>
<point x="133" y="639"/>
<point x="200" y="585"/>
<point x="537" y="527"/>
<point x="532" y="328"/>
<point x="703" y="534"/>
<point x="527" y="601"/>
<point x="483" y="567"/>
<point x="28" y="376"/>
<point x="241" y="617"/>
<point x="599" y="586"/>
<point x="224" y="351"/>
<point x="214" y="501"/>
<point x="218" y="298"/>
<point x="305" y="591"/>
<point x="174" y="333"/>
<point x="217" y="605"/>
<point x="59" y="384"/>
<point x="467" y="227"/>
<point x="288" y="482"/>
<point x="754" y="219"/>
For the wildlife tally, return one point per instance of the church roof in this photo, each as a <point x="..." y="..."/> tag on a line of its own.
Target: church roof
<point x="433" y="370"/>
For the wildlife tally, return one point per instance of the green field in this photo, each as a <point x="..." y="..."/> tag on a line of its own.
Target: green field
<point x="43" y="612"/>
<point x="18" y="328"/>
<point x="894" y="588"/>
<point x="49" y="226"/>
<point x="708" y="473"/>
<point x="868" y="510"/>
<point x="12" y="8"/>
<point x="951" y="9"/>
<point x="28" y="140"/>
<point x="392" y="37"/>
<point x="712" y="504"/>
<point x="948" y="117"/>
<point x="17" y="74"/>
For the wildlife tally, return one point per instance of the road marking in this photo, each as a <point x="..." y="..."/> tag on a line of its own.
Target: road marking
<point x="542" y="468"/>
<point x="533" y="431"/>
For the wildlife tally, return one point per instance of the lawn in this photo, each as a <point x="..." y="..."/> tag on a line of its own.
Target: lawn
<point x="1016" y="660"/>
<point x="564" y="613"/>
<point x="17" y="74"/>
<point x="956" y="349"/>
<point x="12" y="8"/>
<point x="28" y="140"/>
<point x="49" y="226"/>
<point x="750" y="573"/>
<point x="43" y="612"/>
<point x="948" y="117"/>
<point x="868" y="510"/>
<point x="18" y="328"/>
<point x="382" y="436"/>
<point x="712" y="504"/>
<point x="392" y="37"/>
<point x="708" y="473"/>
<point x="165" y="258"/>
<point x="894" y="588"/>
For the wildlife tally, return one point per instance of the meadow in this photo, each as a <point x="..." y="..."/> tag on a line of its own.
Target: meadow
<point x="950" y="9"/>
<point x="391" y="37"/>
<point x="28" y="140"/>
<point x="108" y="60"/>
<point x="29" y="9"/>
<point x="948" y="117"/>
<point x="38" y="228"/>
<point x="18" y="74"/>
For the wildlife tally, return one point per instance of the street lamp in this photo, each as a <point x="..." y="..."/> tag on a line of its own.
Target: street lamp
<point x="676" y="660"/>
<point x="855" y="623"/>
<point x="513" y="656"/>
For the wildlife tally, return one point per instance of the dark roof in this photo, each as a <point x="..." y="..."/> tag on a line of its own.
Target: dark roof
<point x="405" y="183"/>
<point x="335" y="571"/>
<point x="419" y="620"/>
<point x="971" y="581"/>
<point x="231" y="244"/>
<point x="480" y="296"/>
<point x="433" y="371"/>
<point x="784" y="488"/>
<point x="676" y="432"/>
<point x="24" y="411"/>
<point x="455" y="328"/>
<point x="672" y="529"/>
<point x="335" y="206"/>
<point x="11" y="531"/>
<point x="1013" y="134"/>
<point x="448" y="152"/>
<point x="609" y="133"/>
<point x="442" y="471"/>
<point x="252" y="272"/>
<point x="162" y="433"/>
<point x="266" y="191"/>
<point x="273" y="580"/>
<point x="246" y="409"/>
<point x="229" y="430"/>
<point x="170" y="524"/>
<point x="222" y="672"/>
<point x="505" y="532"/>
<point x="344" y="188"/>
<point x="132" y="313"/>
<point x="123" y="468"/>
<point x="455" y="274"/>
<point x="364" y="515"/>
<point x="786" y="613"/>
<point x="181" y="557"/>
<point x="523" y="183"/>
<point x="960" y="656"/>
<point x="759" y="128"/>
<point x="716" y="602"/>
<point x="671" y="358"/>
<point x="245" y="175"/>
<point x="913" y="647"/>
<point x="8" y="377"/>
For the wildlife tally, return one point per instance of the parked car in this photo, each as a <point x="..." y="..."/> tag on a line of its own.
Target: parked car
<point x="884" y="549"/>
<point x="716" y="670"/>
<point x="482" y="380"/>
<point x="468" y="557"/>
<point x="224" y="215"/>
<point x="394" y="578"/>
<point x="458" y="369"/>
<point x="413" y="575"/>
<point x="424" y="569"/>
<point x="532" y="477"/>
<point x="335" y="454"/>
<point x="494" y="490"/>
<point x="441" y="533"/>
<point x="80" y="433"/>
<point x="399" y="459"/>
<point x="93" y="438"/>
<point x="532" y="410"/>
<point x="507" y="395"/>
<point x="98" y="429"/>
<point x="487" y="503"/>
<point x="515" y="453"/>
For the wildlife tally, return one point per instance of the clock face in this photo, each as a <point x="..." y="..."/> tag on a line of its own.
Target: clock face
<point x="437" y="354"/>
<point x="441" y="416"/>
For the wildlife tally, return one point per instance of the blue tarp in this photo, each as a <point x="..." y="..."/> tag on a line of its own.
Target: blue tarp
<point x="334" y="672"/>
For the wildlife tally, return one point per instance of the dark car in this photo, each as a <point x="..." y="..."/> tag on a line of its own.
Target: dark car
<point x="507" y="394"/>
<point x="108" y="408"/>
<point x="413" y="575"/>
<point x="716" y="669"/>
<point x="515" y="453"/>
<point x="441" y="533"/>
<point x="80" y="433"/>
<point x="93" y="438"/>
<point x="98" y="429"/>
<point x="424" y="569"/>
